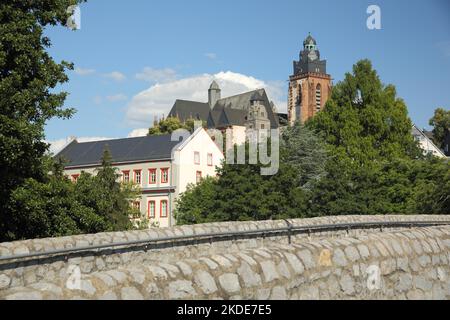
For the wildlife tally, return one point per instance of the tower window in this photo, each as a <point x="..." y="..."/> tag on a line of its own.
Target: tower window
<point x="318" y="97"/>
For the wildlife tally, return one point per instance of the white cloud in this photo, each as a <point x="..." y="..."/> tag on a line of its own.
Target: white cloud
<point x="116" y="97"/>
<point x="159" y="98"/>
<point x="138" y="133"/>
<point x="211" y="55"/>
<point x="57" y="145"/>
<point x="116" y="76"/>
<point x="157" y="75"/>
<point x="84" y="72"/>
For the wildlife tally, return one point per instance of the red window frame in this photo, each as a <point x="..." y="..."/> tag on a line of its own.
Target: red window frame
<point x="166" y="180"/>
<point x="195" y="157"/>
<point x="137" y="205"/>
<point x="197" y="175"/>
<point x="134" y="176"/>
<point x="126" y="172"/>
<point x="209" y="156"/>
<point x="161" y="208"/>
<point x="150" y="216"/>
<point x="150" y="172"/>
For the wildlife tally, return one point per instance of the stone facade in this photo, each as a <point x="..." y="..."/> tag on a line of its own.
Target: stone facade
<point x="303" y="100"/>
<point x="178" y="256"/>
<point x="409" y="264"/>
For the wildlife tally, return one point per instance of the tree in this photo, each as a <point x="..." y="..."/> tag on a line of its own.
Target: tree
<point x="241" y="193"/>
<point x="109" y="198"/>
<point x="305" y="152"/>
<point x="58" y="207"/>
<point x="441" y="124"/>
<point x="432" y="187"/>
<point x="364" y="120"/>
<point x="170" y="124"/>
<point x="28" y="77"/>
<point x="368" y="132"/>
<point x="50" y="208"/>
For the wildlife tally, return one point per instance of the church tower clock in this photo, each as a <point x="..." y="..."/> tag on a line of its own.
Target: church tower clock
<point x="310" y="85"/>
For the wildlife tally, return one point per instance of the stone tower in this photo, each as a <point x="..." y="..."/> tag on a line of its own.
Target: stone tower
<point x="214" y="94"/>
<point x="257" y="117"/>
<point x="310" y="85"/>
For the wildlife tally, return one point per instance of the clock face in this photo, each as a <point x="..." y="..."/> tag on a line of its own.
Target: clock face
<point x="312" y="55"/>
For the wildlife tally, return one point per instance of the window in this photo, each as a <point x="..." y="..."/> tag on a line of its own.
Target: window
<point x="210" y="159"/>
<point x="75" y="177"/>
<point x="163" y="213"/>
<point x="165" y="175"/>
<point x="197" y="157"/>
<point x="151" y="176"/>
<point x="137" y="176"/>
<point x="137" y="205"/>
<point x="262" y="126"/>
<point x="151" y="209"/>
<point x="318" y="97"/>
<point x="198" y="177"/>
<point x="126" y="176"/>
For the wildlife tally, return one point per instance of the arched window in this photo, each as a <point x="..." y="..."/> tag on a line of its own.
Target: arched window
<point x="318" y="97"/>
<point x="299" y="95"/>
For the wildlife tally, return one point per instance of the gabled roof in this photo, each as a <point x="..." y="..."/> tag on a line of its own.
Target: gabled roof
<point x="239" y="105"/>
<point x="122" y="150"/>
<point x="236" y="108"/>
<point x="416" y="132"/>
<point x="184" y="110"/>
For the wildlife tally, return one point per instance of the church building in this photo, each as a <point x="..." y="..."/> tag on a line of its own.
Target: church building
<point x="310" y="85"/>
<point x="249" y="110"/>
<point x="309" y="89"/>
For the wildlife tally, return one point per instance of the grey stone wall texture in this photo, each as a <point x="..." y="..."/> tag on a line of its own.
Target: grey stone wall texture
<point x="364" y="264"/>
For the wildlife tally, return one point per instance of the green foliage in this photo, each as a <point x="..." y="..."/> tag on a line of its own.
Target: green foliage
<point x="58" y="207"/>
<point x="241" y="193"/>
<point x="305" y="151"/>
<point x="109" y="198"/>
<point x="432" y="187"/>
<point x="364" y="120"/>
<point x="441" y="124"/>
<point x="170" y="124"/>
<point x="357" y="156"/>
<point x="28" y="77"/>
<point x="374" y="156"/>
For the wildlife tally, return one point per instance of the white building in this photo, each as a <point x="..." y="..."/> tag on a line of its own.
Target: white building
<point x="426" y="144"/>
<point x="161" y="167"/>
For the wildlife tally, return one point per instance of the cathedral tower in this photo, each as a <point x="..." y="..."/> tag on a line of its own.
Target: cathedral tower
<point x="310" y="85"/>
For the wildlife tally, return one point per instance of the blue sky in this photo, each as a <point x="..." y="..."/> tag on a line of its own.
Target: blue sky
<point x="134" y="58"/>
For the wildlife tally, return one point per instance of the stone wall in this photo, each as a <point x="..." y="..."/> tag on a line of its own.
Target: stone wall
<point x="47" y="268"/>
<point x="408" y="264"/>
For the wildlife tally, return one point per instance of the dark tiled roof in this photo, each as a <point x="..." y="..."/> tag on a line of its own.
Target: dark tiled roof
<point x="122" y="150"/>
<point x="242" y="102"/>
<point x="185" y="110"/>
<point x="236" y="110"/>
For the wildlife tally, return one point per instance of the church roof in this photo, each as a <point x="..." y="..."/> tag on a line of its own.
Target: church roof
<point x="184" y="110"/>
<point x="257" y="97"/>
<point x="226" y="112"/>
<point x="309" y="40"/>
